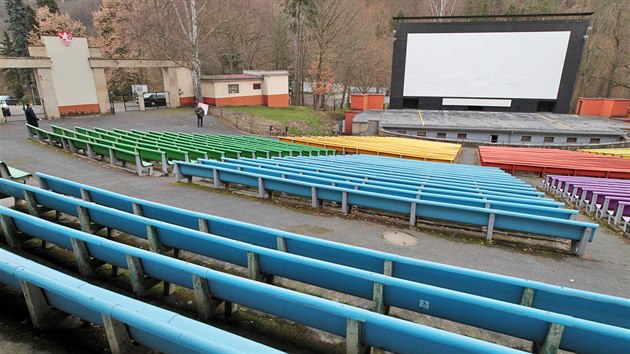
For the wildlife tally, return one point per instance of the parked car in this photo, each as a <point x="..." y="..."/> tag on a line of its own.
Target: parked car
<point x="8" y="100"/>
<point x="5" y="102"/>
<point x="155" y="99"/>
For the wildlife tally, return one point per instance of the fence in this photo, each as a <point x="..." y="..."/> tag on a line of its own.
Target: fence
<point x="15" y="112"/>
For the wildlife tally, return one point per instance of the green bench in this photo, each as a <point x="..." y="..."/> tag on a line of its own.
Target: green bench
<point x="13" y="174"/>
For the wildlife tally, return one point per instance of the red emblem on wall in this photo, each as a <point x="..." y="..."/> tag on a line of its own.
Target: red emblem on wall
<point x="65" y="37"/>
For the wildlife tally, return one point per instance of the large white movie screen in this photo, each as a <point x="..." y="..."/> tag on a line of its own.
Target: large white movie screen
<point x="485" y="65"/>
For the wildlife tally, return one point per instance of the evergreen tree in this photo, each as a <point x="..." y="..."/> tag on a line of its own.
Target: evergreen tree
<point x="52" y="5"/>
<point x="12" y="76"/>
<point x="20" y="22"/>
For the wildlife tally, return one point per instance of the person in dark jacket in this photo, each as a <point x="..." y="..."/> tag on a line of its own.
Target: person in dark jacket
<point x="31" y="117"/>
<point x="200" y="113"/>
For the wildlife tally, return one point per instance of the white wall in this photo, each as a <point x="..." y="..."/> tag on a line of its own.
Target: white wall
<point x="71" y="72"/>
<point x="524" y="65"/>
<point x="246" y="88"/>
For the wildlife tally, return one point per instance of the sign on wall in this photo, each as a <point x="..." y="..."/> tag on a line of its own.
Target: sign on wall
<point x="139" y="88"/>
<point x="65" y="37"/>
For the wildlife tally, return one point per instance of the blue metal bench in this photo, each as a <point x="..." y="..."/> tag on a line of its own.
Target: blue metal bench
<point x="514" y="205"/>
<point x="493" y="186"/>
<point x="526" y="322"/>
<point x="134" y="320"/>
<point x="417" y="186"/>
<point x="579" y="232"/>
<point x="388" y="168"/>
<point x="359" y="327"/>
<point x="592" y="306"/>
<point x="576" y="303"/>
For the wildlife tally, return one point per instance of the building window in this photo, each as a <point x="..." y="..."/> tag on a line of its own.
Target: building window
<point x="441" y="135"/>
<point x="257" y="86"/>
<point x="461" y="136"/>
<point x="594" y="141"/>
<point x="571" y="140"/>
<point x="548" y="139"/>
<point x="233" y="88"/>
<point x="526" y="138"/>
<point x="421" y="133"/>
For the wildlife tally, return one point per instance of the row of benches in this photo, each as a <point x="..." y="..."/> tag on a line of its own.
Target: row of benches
<point x="259" y="146"/>
<point x="507" y="289"/>
<point x="92" y="148"/>
<point x="621" y="152"/>
<point x="554" y="161"/>
<point x="486" y="213"/>
<point x="52" y="295"/>
<point x="385" y="146"/>
<point x="212" y="145"/>
<point x="386" y="291"/>
<point x="607" y="199"/>
<point x="461" y="185"/>
<point x="394" y="169"/>
<point x="211" y="288"/>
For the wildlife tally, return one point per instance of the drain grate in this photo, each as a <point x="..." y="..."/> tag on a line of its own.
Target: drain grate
<point x="400" y="238"/>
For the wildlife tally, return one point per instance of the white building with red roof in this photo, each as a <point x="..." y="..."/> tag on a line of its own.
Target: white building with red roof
<point x="251" y="88"/>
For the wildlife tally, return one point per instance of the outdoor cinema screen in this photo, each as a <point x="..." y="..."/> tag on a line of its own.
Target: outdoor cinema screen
<point x="525" y="65"/>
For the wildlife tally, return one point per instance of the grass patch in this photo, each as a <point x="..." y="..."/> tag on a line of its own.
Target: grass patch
<point x="282" y="115"/>
<point x="298" y="120"/>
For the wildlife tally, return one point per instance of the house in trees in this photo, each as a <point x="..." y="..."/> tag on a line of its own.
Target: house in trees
<point x="251" y="88"/>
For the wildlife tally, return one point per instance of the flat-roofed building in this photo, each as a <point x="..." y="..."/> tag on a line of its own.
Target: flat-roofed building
<point x="251" y="88"/>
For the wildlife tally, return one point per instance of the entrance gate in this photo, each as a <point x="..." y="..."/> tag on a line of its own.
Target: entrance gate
<point x="15" y="111"/>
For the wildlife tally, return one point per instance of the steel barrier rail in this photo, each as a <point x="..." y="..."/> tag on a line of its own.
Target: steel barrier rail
<point x="359" y="326"/>
<point x="592" y="306"/>
<point x="552" y="212"/>
<point x="579" y="232"/>
<point x="418" y="187"/>
<point x="469" y="187"/>
<point x="526" y="323"/>
<point x="152" y="326"/>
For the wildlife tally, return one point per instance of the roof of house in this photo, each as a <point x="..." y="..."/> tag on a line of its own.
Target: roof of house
<point x="231" y="77"/>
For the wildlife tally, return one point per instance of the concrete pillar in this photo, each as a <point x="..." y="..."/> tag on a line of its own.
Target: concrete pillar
<point x="171" y="85"/>
<point x="46" y="88"/>
<point x="101" y="89"/>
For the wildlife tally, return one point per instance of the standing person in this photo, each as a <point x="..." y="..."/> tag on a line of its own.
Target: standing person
<point x="31" y="117"/>
<point x="200" y="113"/>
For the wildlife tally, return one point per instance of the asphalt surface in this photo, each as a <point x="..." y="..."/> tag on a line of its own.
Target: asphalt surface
<point x="605" y="269"/>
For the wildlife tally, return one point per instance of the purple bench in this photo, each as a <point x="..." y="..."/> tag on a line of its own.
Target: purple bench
<point x="563" y="185"/>
<point x="598" y="197"/>
<point x="584" y="194"/>
<point x="609" y="206"/>
<point x="621" y="216"/>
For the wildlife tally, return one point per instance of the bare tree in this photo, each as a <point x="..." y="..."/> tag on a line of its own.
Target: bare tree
<point x="189" y="19"/>
<point x="175" y="29"/>
<point x="443" y="7"/>
<point x="327" y="21"/>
